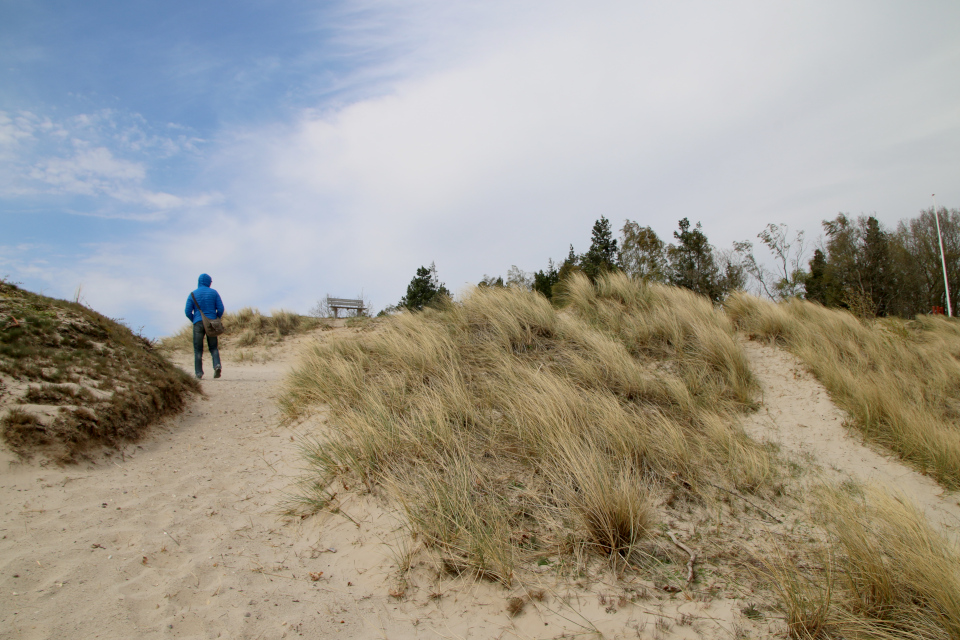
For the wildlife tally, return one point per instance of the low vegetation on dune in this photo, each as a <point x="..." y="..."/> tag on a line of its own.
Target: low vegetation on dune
<point x="515" y="434"/>
<point x="899" y="380"/>
<point x="71" y="378"/>
<point x="881" y="571"/>
<point x="248" y="327"/>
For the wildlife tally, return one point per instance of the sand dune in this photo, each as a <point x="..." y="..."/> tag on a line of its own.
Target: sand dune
<point x="180" y="536"/>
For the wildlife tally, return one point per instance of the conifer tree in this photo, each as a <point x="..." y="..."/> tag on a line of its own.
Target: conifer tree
<point x="601" y="257"/>
<point x="876" y="266"/>
<point x="543" y="281"/>
<point x="424" y="289"/>
<point x="816" y="285"/>
<point x="691" y="262"/>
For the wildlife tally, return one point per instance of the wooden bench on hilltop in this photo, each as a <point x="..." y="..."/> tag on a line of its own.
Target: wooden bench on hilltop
<point x="342" y="303"/>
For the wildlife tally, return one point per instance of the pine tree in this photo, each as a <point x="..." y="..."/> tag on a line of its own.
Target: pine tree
<point x="543" y="281"/>
<point x="816" y="286"/>
<point x="876" y="266"/>
<point x="569" y="266"/>
<point x="691" y="262"/>
<point x="601" y="257"/>
<point x="425" y="289"/>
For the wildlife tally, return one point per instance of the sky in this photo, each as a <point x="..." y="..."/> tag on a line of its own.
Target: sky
<point x="297" y="149"/>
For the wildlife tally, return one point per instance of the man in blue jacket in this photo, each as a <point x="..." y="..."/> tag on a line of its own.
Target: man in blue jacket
<point x="212" y="307"/>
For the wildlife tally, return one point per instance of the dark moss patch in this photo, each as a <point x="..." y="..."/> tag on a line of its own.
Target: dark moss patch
<point x="20" y="429"/>
<point x="57" y="395"/>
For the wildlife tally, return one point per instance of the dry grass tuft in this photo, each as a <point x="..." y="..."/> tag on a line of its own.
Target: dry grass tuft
<point x="509" y="430"/>
<point x="886" y="573"/>
<point x="900" y="381"/>
<point x="515" y="605"/>
<point x="451" y="510"/>
<point x="805" y="599"/>
<point x="610" y="501"/>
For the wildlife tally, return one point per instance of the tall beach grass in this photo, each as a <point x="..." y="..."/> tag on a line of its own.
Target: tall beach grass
<point x="513" y="433"/>
<point x="883" y="573"/>
<point x="509" y="429"/>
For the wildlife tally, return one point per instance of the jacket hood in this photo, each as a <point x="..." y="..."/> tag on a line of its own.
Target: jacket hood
<point x="204" y="280"/>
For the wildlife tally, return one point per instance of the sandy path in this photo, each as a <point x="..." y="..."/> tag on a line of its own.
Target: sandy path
<point x="798" y="414"/>
<point x="161" y="540"/>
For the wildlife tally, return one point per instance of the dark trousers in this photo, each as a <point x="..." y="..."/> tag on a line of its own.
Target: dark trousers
<point x="198" y="334"/>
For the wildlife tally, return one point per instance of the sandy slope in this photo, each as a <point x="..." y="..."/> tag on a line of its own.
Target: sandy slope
<point x="797" y="413"/>
<point x="180" y="537"/>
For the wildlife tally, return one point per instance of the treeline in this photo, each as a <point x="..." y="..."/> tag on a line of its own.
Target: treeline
<point x="691" y="262"/>
<point x="879" y="272"/>
<point x="858" y="264"/>
<point x="862" y="266"/>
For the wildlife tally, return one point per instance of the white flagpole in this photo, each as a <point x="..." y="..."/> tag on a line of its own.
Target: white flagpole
<point x="943" y="259"/>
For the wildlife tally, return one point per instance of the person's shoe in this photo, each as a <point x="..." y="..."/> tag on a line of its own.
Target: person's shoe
<point x="216" y="372"/>
<point x="199" y="376"/>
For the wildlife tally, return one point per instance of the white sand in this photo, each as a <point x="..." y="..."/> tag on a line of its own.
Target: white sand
<point x="180" y="537"/>
<point x="797" y="413"/>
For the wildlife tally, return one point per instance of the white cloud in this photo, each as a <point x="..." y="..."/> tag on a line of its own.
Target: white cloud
<point x="12" y="130"/>
<point x="105" y="155"/>
<point x="89" y="172"/>
<point x="721" y="114"/>
<point x="499" y="144"/>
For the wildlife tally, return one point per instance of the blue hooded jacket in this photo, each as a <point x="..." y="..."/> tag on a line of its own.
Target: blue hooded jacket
<point x="209" y="299"/>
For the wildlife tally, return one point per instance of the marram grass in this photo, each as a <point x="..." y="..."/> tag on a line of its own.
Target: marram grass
<point x="512" y="433"/>
<point x="884" y="573"/>
<point x="510" y="429"/>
